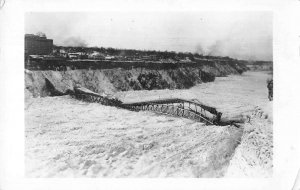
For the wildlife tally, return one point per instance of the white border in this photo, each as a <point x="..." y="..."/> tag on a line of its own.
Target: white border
<point x="286" y="105"/>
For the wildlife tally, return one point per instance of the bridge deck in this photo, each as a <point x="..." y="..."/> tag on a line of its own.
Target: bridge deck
<point x="174" y="100"/>
<point x="175" y="106"/>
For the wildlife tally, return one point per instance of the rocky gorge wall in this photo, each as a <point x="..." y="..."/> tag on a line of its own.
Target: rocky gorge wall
<point x="41" y="83"/>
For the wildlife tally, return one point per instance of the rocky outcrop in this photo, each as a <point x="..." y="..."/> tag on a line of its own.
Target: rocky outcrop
<point x="42" y="83"/>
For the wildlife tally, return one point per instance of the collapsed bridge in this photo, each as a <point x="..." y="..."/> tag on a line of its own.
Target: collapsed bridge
<point x="190" y="109"/>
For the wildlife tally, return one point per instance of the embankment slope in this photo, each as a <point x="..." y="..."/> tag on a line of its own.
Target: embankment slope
<point x="254" y="156"/>
<point x="41" y="83"/>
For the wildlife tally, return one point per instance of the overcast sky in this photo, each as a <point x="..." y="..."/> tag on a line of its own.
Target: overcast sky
<point x="244" y="35"/>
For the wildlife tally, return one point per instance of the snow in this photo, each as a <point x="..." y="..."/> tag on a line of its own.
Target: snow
<point x="254" y="156"/>
<point x="235" y="96"/>
<point x="66" y="137"/>
<point x="69" y="138"/>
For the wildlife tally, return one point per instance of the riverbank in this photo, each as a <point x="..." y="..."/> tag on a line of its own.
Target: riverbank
<point x="42" y="83"/>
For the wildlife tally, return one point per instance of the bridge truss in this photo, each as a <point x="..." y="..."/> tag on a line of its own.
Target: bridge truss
<point x="189" y="109"/>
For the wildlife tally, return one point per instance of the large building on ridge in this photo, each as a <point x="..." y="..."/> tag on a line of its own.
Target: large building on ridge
<point x="37" y="45"/>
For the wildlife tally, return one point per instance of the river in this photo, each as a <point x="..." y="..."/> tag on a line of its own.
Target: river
<point x="65" y="137"/>
<point x="235" y="95"/>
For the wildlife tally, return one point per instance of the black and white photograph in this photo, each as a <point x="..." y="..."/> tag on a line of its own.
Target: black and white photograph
<point x="149" y="94"/>
<point x="156" y="94"/>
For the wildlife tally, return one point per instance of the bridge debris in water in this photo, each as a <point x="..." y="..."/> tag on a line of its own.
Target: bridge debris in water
<point x="175" y="107"/>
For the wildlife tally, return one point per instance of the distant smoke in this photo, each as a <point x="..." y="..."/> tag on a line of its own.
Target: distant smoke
<point x="237" y="49"/>
<point x="216" y="48"/>
<point x="74" y="42"/>
<point x="200" y="50"/>
<point x="241" y="35"/>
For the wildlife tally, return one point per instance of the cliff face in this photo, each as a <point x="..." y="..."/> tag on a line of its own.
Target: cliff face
<point x="51" y="83"/>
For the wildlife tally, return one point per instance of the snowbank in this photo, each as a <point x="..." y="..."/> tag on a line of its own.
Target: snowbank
<point x="70" y="138"/>
<point x="254" y="156"/>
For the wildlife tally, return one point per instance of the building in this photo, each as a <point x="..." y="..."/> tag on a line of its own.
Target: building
<point x="37" y="45"/>
<point x="77" y="55"/>
<point x="96" y="55"/>
<point x="110" y="57"/>
<point x="74" y="55"/>
<point x="63" y="53"/>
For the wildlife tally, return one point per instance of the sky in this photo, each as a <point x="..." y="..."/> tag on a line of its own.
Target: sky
<point x="241" y="35"/>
